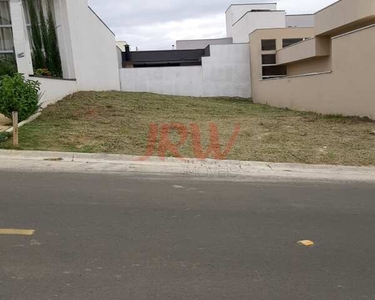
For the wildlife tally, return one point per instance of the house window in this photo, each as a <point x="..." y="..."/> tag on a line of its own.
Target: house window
<point x="274" y="71"/>
<point x="268" y="45"/>
<point x="269" y="59"/>
<point x="288" y="42"/>
<point x="27" y="19"/>
<point x="6" y="35"/>
<point x="47" y="4"/>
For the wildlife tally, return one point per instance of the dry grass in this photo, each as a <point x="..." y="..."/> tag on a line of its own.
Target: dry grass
<point x="5" y="123"/>
<point x="115" y="122"/>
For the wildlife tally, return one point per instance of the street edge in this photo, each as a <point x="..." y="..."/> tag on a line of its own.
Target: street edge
<point x="47" y="161"/>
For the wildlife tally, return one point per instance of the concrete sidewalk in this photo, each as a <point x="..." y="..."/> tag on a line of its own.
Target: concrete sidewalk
<point x="39" y="161"/>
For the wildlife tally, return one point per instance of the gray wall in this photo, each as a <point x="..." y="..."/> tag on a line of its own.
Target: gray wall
<point x="201" y="44"/>
<point x="300" y="21"/>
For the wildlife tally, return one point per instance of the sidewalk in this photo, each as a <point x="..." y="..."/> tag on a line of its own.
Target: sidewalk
<point x="38" y="161"/>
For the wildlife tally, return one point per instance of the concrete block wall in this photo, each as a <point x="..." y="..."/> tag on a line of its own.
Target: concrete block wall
<point x="179" y="81"/>
<point x="225" y="73"/>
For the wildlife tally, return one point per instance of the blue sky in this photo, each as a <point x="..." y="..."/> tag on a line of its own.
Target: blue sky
<point x="150" y="24"/>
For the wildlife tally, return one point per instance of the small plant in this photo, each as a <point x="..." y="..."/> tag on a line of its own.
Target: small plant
<point x="4" y="136"/>
<point x="43" y="72"/>
<point x="19" y="94"/>
<point x="7" y="67"/>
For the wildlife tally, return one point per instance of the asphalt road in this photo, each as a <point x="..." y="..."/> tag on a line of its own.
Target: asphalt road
<point x="107" y="237"/>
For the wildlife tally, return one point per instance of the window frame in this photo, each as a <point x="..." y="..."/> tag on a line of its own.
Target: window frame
<point x="268" y="40"/>
<point x="265" y="57"/>
<point x="297" y="40"/>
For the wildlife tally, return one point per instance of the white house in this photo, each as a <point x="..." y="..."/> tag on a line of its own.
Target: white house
<point x="87" y="47"/>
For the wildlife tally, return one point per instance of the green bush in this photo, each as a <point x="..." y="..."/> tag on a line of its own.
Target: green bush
<point x="7" y="67"/>
<point x="4" y="136"/>
<point x="19" y="94"/>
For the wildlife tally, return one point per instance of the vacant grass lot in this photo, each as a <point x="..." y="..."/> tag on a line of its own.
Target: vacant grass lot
<point x="115" y="122"/>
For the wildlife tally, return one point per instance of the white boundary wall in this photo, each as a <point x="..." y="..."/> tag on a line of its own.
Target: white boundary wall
<point x="225" y="73"/>
<point x="181" y="81"/>
<point x="53" y="90"/>
<point x="93" y="47"/>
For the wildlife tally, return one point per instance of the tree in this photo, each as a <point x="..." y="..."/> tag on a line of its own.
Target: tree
<point x="46" y="53"/>
<point x="37" y="43"/>
<point x="45" y="37"/>
<point x="53" y="49"/>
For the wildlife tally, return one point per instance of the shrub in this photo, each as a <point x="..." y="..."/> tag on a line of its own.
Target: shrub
<point x="46" y="53"/>
<point x="4" y="136"/>
<point x="19" y="94"/>
<point x="7" y="67"/>
<point x="43" y="72"/>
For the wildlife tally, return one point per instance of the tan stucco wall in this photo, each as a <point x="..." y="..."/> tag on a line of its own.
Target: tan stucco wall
<point x="278" y="34"/>
<point x="317" y="64"/>
<point x="308" y="49"/>
<point x="348" y="90"/>
<point x="344" y="15"/>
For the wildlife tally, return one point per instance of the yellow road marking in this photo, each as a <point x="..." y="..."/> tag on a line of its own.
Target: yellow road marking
<point x="306" y="243"/>
<point x="17" y="232"/>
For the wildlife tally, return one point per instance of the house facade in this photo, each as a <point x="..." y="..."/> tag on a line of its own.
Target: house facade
<point x="329" y="73"/>
<point x="85" y="42"/>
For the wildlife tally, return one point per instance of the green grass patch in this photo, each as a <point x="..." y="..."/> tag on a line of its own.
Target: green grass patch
<point x="115" y="122"/>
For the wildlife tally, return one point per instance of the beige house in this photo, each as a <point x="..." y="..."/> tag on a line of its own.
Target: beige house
<point x="330" y="69"/>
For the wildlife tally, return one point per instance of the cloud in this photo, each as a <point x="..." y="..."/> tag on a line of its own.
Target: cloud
<point x="150" y="24"/>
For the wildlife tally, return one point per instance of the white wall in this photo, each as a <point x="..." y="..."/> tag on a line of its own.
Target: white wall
<point x="236" y="11"/>
<point x="93" y="47"/>
<point x="119" y="57"/>
<point x="53" y="90"/>
<point x="256" y="20"/>
<point x="300" y="20"/>
<point x="180" y="81"/>
<point x="225" y="73"/>
<point x="201" y="44"/>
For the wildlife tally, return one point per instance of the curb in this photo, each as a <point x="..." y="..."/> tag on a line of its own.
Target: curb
<point x="29" y="120"/>
<point x="40" y="161"/>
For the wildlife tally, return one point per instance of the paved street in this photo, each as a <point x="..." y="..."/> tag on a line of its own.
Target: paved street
<point x="108" y="237"/>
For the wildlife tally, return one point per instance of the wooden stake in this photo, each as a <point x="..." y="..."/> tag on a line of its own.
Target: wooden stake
<point x="15" y="128"/>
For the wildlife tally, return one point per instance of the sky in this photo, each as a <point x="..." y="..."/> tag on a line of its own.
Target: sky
<point x="157" y="24"/>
